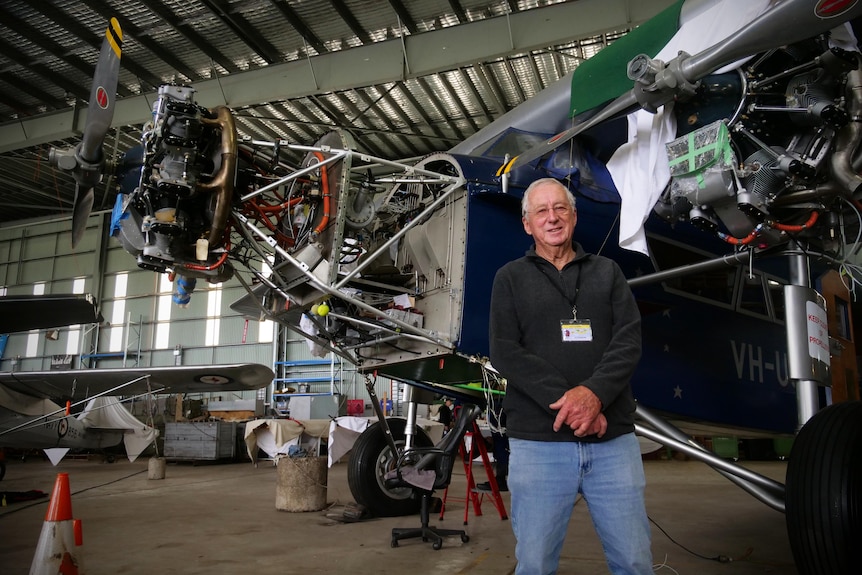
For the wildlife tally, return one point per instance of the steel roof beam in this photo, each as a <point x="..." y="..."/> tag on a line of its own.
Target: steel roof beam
<point x="412" y="56"/>
<point x="186" y="30"/>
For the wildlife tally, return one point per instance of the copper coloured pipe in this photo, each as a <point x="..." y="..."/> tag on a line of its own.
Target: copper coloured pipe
<point x="223" y="181"/>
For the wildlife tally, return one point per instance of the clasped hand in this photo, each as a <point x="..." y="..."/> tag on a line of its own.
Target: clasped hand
<point x="581" y="410"/>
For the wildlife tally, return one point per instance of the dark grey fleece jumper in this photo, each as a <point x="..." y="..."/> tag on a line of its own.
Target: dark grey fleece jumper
<point x="528" y="350"/>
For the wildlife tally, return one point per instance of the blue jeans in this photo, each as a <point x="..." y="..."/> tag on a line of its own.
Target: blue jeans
<point x="545" y="479"/>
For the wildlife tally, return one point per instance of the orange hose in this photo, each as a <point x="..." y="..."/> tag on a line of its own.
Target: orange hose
<point x="218" y="262"/>
<point x="278" y="207"/>
<point x="324" y="180"/>
<point x="744" y="241"/>
<point x="808" y="224"/>
<point x="260" y="216"/>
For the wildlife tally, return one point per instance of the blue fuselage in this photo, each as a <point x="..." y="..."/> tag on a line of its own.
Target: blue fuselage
<point x="706" y="356"/>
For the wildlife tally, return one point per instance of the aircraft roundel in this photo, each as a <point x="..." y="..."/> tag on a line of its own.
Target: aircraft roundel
<point x="63" y="427"/>
<point x="214" y="379"/>
<point x="102" y="97"/>
<point x="833" y="8"/>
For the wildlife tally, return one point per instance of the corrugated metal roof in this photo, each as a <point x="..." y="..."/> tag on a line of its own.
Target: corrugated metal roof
<point x="48" y="51"/>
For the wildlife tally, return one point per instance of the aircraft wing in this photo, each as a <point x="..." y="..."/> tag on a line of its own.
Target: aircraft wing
<point x="78" y="384"/>
<point x="26" y="312"/>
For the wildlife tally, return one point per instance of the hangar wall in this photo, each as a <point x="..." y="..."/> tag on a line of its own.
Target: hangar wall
<point x="131" y="300"/>
<point x="142" y="327"/>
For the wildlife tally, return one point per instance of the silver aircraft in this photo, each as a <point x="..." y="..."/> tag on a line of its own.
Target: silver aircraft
<point x="59" y="410"/>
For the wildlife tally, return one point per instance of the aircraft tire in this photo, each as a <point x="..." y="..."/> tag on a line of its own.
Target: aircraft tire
<point x="370" y="459"/>
<point x="824" y="492"/>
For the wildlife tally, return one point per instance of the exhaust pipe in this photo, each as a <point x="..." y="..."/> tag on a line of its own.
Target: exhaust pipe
<point x="223" y="182"/>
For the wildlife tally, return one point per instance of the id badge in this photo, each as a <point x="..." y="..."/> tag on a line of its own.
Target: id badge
<point x="576" y="330"/>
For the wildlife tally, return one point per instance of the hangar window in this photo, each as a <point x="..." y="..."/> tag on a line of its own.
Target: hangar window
<point x="73" y="342"/>
<point x="163" y="311"/>
<point x="266" y="331"/>
<point x="118" y="315"/>
<point x="213" y="313"/>
<point x="33" y="337"/>
<point x="266" y="328"/>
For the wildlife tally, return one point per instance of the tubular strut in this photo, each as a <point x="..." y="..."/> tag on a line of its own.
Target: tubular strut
<point x="381" y="418"/>
<point x="764" y="489"/>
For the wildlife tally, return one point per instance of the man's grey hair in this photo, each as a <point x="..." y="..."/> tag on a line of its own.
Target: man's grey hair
<point x="525" y="201"/>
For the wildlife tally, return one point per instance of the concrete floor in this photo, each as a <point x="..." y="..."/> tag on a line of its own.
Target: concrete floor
<point x="221" y="518"/>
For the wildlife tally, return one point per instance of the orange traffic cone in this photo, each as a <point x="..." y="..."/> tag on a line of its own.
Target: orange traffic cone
<point x="58" y="550"/>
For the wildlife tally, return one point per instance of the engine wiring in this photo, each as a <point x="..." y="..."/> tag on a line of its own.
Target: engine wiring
<point x="848" y="270"/>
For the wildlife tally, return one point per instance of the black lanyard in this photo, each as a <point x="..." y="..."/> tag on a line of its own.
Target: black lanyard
<point x="571" y="301"/>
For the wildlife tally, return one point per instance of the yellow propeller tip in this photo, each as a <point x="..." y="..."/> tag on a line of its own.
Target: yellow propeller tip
<point x="115" y="25"/>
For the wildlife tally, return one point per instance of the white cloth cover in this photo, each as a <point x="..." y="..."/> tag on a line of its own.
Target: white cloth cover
<point x="108" y="413"/>
<point x="343" y="433"/>
<point x="275" y="436"/>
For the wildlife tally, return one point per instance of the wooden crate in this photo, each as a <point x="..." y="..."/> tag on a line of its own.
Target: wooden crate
<point x="200" y="441"/>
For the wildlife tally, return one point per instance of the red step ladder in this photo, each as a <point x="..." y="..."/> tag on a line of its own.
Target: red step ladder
<point x="475" y="497"/>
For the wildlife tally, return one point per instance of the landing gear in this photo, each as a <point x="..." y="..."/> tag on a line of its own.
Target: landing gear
<point x="824" y="492"/>
<point x="370" y="459"/>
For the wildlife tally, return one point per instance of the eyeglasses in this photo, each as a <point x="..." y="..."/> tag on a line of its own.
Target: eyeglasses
<point x="560" y="210"/>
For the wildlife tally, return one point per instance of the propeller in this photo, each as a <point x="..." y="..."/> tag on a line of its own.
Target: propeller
<point x="656" y="83"/>
<point x="87" y="162"/>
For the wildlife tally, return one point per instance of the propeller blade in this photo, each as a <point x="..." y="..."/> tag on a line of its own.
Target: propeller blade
<point x="89" y="161"/>
<point x="623" y="105"/>
<point x="786" y="23"/>
<point x="81" y="212"/>
<point x="103" y="93"/>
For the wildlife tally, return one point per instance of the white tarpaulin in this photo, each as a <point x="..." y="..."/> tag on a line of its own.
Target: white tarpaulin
<point x="343" y="433"/>
<point x="275" y="436"/>
<point x="108" y="413"/>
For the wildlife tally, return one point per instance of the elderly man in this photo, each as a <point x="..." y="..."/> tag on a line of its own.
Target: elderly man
<point x="565" y="333"/>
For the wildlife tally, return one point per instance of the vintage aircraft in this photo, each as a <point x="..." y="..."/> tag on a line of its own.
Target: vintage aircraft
<point x="93" y="417"/>
<point x="742" y="187"/>
<point x="31" y="418"/>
